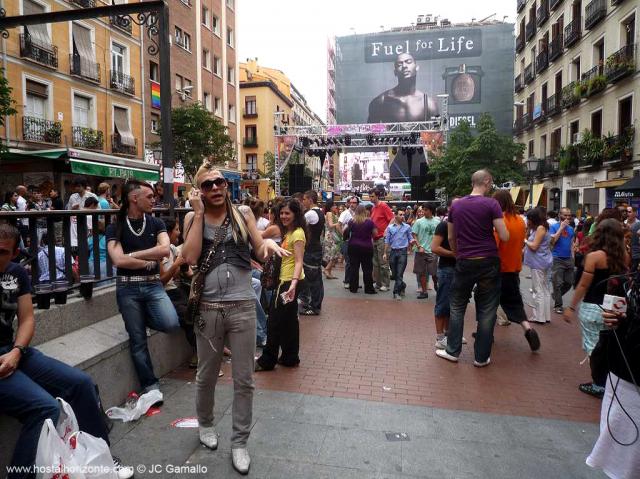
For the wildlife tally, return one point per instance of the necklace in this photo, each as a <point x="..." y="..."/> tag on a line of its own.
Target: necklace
<point x="144" y="225"/>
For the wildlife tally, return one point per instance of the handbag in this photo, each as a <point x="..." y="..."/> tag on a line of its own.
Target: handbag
<point x="203" y="268"/>
<point x="271" y="273"/>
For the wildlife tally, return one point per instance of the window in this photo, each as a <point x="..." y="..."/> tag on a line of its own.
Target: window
<point x="206" y="59"/>
<point x="530" y="149"/>
<point x="37" y="100"/>
<point x="154" y="72"/>
<point x="229" y="37"/>
<point x="230" y="4"/>
<point x="217" y="65"/>
<point x="596" y="123"/>
<point x="178" y="83"/>
<point x="217" y="106"/>
<point x="252" y="162"/>
<point x="123" y="137"/>
<point x="250" y="106"/>
<point x="625" y="119"/>
<point x="232" y="113"/>
<point x="118" y="53"/>
<point x="556" y="136"/>
<point x="574" y="129"/>
<point x="155" y="123"/>
<point x="187" y="87"/>
<point x="231" y="75"/>
<point x="81" y="111"/>
<point x="215" y="24"/>
<point x="183" y="39"/>
<point x="206" y="17"/>
<point x="206" y="100"/>
<point x="575" y="67"/>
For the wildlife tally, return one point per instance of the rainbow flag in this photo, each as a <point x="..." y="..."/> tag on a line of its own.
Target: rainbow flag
<point x="155" y="94"/>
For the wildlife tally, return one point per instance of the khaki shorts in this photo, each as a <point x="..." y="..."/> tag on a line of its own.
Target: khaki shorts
<point x="425" y="263"/>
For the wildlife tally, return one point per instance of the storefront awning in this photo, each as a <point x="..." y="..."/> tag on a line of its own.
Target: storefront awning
<point x="515" y="191"/>
<point x="83" y="167"/>
<point x="629" y="190"/>
<point x="537" y="193"/>
<point x="610" y="183"/>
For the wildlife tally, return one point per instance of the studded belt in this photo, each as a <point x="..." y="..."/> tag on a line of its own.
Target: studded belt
<point x="220" y="305"/>
<point x="138" y="279"/>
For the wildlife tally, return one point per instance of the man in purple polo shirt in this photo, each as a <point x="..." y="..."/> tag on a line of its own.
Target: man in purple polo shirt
<point x="472" y="220"/>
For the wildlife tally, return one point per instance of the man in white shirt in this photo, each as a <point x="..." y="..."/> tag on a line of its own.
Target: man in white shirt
<point x="21" y="205"/>
<point x="345" y="217"/>
<point x="76" y="202"/>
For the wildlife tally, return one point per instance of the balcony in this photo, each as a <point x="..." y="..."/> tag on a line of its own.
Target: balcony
<point x="41" y="131"/>
<point x="553" y="105"/>
<point x="556" y="48"/>
<point x="530" y="29"/>
<point x="86" y="70"/>
<point x="542" y="14"/>
<point x="616" y="2"/>
<point x="569" y="159"/>
<point x="527" y="120"/>
<point x="572" y="32"/>
<point x="520" y="5"/>
<point x="518" y="84"/>
<point x="542" y="61"/>
<point x="250" y="113"/>
<point x="553" y="4"/>
<point x="250" y="174"/>
<point x="528" y="74"/>
<point x="122" y="83"/>
<point x="542" y="115"/>
<point x="594" y="12"/>
<point x="119" y="148"/>
<point x="83" y="3"/>
<point x="250" y="142"/>
<point x="518" y="125"/>
<point x="87" y="138"/>
<point x="619" y="148"/>
<point x="121" y="22"/>
<point x="46" y="55"/>
<point x="594" y="80"/>
<point x="549" y="166"/>
<point x="569" y="97"/>
<point x="520" y="42"/>
<point x="620" y="64"/>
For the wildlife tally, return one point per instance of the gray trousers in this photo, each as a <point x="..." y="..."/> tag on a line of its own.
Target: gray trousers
<point x="235" y="322"/>
<point x="562" y="272"/>
<point x="380" y="266"/>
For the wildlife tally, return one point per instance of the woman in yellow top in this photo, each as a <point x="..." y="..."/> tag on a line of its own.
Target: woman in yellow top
<point x="283" y="329"/>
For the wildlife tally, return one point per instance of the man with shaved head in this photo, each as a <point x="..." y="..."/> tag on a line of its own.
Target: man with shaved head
<point x="472" y="220"/>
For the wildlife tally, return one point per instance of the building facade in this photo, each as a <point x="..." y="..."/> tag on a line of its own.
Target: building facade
<point x="79" y="99"/>
<point x="576" y="101"/>
<point x="204" y="69"/>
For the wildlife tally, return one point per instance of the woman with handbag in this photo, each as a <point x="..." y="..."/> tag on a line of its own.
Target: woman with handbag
<point x="222" y="302"/>
<point x="282" y="325"/>
<point x="607" y="257"/>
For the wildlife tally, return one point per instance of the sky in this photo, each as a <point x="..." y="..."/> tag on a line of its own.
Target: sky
<point x="291" y="35"/>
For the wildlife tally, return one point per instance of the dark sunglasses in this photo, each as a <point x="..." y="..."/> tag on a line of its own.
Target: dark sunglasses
<point x="208" y="185"/>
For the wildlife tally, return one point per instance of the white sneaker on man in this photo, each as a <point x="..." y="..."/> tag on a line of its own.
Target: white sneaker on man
<point x="383" y="288"/>
<point x="478" y="364"/>
<point x="208" y="437"/>
<point x="441" y="343"/>
<point x="442" y="353"/>
<point x="241" y="460"/>
<point x="122" y="471"/>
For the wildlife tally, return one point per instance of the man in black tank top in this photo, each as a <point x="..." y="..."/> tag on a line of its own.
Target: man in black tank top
<point x="312" y="293"/>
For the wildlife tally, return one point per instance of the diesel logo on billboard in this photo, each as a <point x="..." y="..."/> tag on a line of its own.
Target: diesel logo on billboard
<point x="429" y="46"/>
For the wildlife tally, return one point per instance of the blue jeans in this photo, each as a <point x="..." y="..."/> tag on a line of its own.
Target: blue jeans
<point x="141" y="305"/>
<point x="443" y="295"/>
<point x="312" y="294"/>
<point x="261" y="317"/>
<point x="484" y="275"/>
<point x="29" y="396"/>
<point x="398" y="263"/>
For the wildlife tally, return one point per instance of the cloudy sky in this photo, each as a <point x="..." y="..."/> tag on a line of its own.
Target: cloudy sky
<point x="291" y="35"/>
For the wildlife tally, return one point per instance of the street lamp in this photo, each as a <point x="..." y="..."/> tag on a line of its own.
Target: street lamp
<point x="532" y="166"/>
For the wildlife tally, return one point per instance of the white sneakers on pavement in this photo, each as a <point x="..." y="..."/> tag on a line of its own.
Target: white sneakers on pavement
<point x="241" y="460"/>
<point x="483" y="364"/>
<point x="441" y="343"/>
<point x="208" y="437"/>
<point x="442" y="353"/>
<point x="383" y="288"/>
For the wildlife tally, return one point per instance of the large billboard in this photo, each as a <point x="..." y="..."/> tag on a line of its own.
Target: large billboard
<point x="397" y="76"/>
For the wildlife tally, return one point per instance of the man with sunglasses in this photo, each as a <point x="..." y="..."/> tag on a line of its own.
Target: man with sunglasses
<point x="136" y="243"/>
<point x="345" y="217"/>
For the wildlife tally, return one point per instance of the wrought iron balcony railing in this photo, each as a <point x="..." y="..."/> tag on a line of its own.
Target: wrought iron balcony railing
<point x="569" y="97"/>
<point x="553" y="4"/>
<point x="250" y="112"/>
<point x="542" y="14"/>
<point x="520" y="5"/>
<point x="616" y="2"/>
<point x="518" y="125"/>
<point x="556" y="47"/>
<point x="530" y="29"/>
<point x="529" y="75"/>
<point x="518" y="84"/>
<point x="594" y="12"/>
<point x="553" y="105"/>
<point x="542" y="60"/>
<point x="619" y="148"/>
<point x="83" y="3"/>
<point x="527" y="120"/>
<point x="39" y="130"/>
<point x="594" y="80"/>
<point x="88" y="138"/>
<point x="122" y="83"/>
<point x="85" y="69"/>
<point x="119" y="148"/>
<point x="250" y="141"/>
<point x="121" y="22"/>
<point x="572" y="32"/>
<point x="520" y="42"/>
<point x="621" y="64"/>
<point x="549" y="166"/>
<point x="46" y="55"/>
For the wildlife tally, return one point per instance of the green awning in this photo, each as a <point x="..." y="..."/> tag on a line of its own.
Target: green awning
<point x="112" y="171"/>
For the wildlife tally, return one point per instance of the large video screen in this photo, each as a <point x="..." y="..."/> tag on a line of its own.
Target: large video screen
<point x="359" y="172"/>
<point x="397" y="76"/>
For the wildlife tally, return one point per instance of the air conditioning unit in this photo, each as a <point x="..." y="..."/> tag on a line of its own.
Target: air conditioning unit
<point x="420" y="19"/>
<point x="576" y="138"/>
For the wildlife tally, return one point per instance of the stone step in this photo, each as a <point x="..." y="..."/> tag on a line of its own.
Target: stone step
<point x="102" y="350"/>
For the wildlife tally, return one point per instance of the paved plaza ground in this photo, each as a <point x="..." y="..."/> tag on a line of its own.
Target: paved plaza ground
<point x="370" y="400"/>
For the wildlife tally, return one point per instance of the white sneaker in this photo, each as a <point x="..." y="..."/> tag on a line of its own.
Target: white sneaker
<point x="383" y="288"/>
<point x="241" y="460"/>
<point x="122" y="471"/>
<point x="464" y="340"/>
<point x="442" y="353"/>
<point x="482" y="365"/>
<point x="208" y="437"/>
<point x="441" y="343"/>
<point x="346" y="285"/>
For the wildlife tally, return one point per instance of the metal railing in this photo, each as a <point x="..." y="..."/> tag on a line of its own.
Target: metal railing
<point x="122" y="82"/>
<point x="83" y="137"/>
<point x="122" y="23"/>
<point x="554" y="3"/>
<point x="553" y="105"/>
<point x="250" y="112"/>
<point x="594" y="80"/>
<point x="530" y="29"/>
<point x="39" y="130"/>
<point x="542" y="14"/>
<point x="569" y="97"/>
<point x="527" y="120"/>
<point x="529" y="74"/>
<point x="542" y="60"/>
<point x="46" y="55"/>
<point x="250" y="141"/>
<point x="518" y="84"/>
<point x="83" y="68"/>
<point x="616" y="2"/>
<point x="520" y="5"/>
<point x="549" y="166"/>
<point x="572" y="32"/>
<point x="556" y="47"/>
<point x="83" y="3"/>
<point x="520" y="41"/>
<point x="594" y="12"/>
<point x="621" y="63"/>
<point x="619" y="148"/>
<point x="518" y="125"/>
<point x="119" y="148"/>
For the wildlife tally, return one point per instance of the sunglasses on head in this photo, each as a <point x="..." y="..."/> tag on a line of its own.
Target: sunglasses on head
<point x="208" y="185"/>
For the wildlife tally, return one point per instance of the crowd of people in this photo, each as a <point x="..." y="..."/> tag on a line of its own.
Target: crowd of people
<point x="237" y="278"/>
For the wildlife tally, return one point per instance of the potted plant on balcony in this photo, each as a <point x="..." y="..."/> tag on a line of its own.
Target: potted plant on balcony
<point x="611" y="151"/>
<point x="597" y="84"/>
<point x="92" y="139"/>
<point x="591" y="149"/>
<point x="580" y="90"/>
<point x="53" y="133"/>
<point x="566" y="155"/>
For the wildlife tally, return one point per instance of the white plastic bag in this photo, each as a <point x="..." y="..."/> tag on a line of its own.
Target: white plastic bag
<point x="92" y="454"/>
<point x="67" y="422"/>
<point x="142" y="406"/>
<point x="53" y="458"/>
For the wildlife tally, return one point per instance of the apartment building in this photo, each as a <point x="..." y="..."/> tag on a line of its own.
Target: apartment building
<point x="204" y="68"/>
<point x="78" y="92"/>
<point x="576" y="101"/>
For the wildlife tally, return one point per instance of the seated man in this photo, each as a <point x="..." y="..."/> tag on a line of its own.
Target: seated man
<point x="29" y="380"/>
